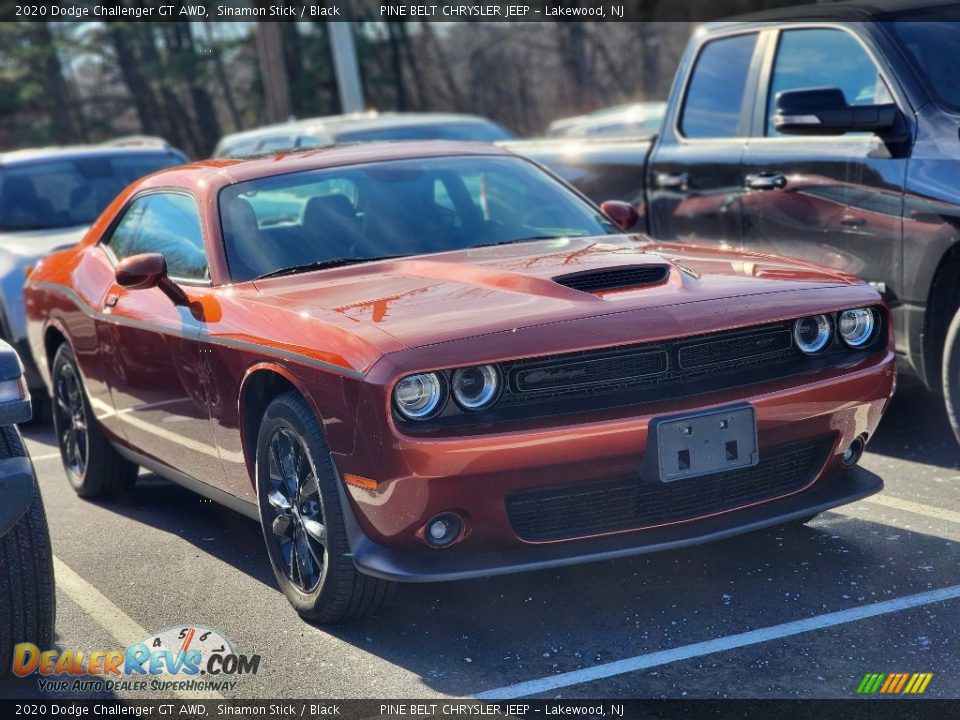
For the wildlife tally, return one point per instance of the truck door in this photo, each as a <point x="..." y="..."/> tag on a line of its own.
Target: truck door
<point x="693" y="178"/>
<point x="833" y="200"/>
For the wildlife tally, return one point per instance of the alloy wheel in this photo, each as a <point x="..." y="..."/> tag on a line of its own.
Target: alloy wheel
<point x="298" y="524"/>
<point x="72" y="420"/>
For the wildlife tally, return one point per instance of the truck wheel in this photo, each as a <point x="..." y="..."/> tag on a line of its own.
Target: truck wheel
<point x="951" y="374"/>
<point x="303" y="522"/>
<point x="27" y="598"/>
<point x="94" y="468"/>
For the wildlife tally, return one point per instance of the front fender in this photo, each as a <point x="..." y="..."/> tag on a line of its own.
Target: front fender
<point x="17" y="488"/>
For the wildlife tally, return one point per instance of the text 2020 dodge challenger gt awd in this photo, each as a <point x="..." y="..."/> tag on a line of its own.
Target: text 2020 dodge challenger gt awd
<point x="431" y="361"/>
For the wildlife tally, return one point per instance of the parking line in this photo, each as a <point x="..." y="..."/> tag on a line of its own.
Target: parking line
<point x="915" y="508"/>
<point x="45" y="456"/>
<point x="121" y="626"/>
<point x="722" y="644"/>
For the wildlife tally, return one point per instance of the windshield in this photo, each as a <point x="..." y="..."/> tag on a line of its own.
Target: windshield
<point x="933" y="49"/>
<point x="475" y="131"/>
<point x="394" y="209"/>
<point x="49" y="194"/>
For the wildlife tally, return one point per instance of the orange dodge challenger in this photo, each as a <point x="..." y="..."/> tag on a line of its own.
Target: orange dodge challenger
<point x="432" y="361"/>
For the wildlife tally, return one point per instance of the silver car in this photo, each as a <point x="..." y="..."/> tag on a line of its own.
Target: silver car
<point x="49" y="197"/>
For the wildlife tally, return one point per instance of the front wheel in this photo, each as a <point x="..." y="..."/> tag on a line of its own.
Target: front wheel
<point x="27" y="598"/>
<point x="951" y="374"/>
<point x="302" y="519"/>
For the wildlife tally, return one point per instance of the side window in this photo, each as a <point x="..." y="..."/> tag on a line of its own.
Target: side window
<point x="165" y="223"/>
<point x="824" y="57"/>
<point x="715" y="94"/>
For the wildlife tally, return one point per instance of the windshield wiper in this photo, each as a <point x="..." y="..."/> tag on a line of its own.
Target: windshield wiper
<point x="320" y="265"/>
<point x="521" y="240"/>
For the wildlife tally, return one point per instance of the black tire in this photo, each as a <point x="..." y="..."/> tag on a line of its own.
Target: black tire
<point x="94" y="468"/>
<point x="302" y="510"/>
<point x="27" y="597"/>
<point x="951" y="374"/>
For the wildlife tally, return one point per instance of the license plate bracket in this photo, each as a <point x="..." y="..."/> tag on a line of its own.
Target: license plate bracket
<point x="701" y="443"/>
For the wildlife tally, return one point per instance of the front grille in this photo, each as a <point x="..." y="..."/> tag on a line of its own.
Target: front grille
<point x="644" y="373"/>
<point x="618" y="278"/>
<point x="576" y="511"/>
<point x="658" y="370"/>
<point x="733" y="350"/>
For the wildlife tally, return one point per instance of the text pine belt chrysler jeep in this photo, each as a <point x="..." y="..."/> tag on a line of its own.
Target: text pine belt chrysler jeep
<point x="430" y="361"/>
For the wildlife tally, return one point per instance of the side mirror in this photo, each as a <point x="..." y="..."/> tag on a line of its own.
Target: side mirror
<point x="141" y="272"/>
<point x="149" y="270"/>
<point x="824" y="111"/>
<point x="624" y="215"/>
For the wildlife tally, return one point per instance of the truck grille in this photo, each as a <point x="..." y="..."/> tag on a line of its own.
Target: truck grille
<point x="576" y="511"/>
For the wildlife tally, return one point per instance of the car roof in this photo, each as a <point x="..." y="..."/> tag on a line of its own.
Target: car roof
<point x="332" y="124"/>
<point x="855" y="10"/>
<point x="217" y="173"/>
<point x="71" y="152"/>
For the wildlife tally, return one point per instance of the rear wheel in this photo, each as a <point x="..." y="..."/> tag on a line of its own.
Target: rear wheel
<point x="27" y="598"/>
<point x="302" y="519"/>
<point x="94" y="468"/>
<point x="951" y="374"/>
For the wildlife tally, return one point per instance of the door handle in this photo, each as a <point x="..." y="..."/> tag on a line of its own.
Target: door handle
<point x="852" y="221"/>
<point x="111" y="301"/>
<point x="671" y="181"/>
<point x="766" y="181"/>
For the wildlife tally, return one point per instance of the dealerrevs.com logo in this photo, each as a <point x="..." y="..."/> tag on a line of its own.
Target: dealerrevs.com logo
<point x="185" y="658"/>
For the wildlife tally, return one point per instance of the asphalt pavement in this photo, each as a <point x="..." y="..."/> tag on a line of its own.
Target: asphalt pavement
<point x="802" y="613"/>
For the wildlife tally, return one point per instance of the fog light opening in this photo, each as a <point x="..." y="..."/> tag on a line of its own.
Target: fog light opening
<point x="443" y="530"/>
<point x="851" y="456"/>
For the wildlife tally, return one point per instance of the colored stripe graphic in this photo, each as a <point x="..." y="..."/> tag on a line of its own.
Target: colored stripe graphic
<point x="894" y="683"/>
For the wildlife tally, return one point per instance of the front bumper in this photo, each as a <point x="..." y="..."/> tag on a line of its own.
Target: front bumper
<point x="838" y="488"/>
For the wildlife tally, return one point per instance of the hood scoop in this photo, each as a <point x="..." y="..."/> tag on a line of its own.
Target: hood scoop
<point x="622" y="277"/>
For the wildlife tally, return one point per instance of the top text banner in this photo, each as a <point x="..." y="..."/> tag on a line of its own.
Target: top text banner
<point x="360" y="10"/>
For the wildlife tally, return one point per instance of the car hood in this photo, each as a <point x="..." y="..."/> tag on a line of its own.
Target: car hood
<point x="429" y="299"/>
<point x="37" y="243"/>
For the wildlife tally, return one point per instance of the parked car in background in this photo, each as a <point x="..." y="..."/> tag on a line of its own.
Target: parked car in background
<point x="48" y="199"/>
<point x="432" y="361"/>
<point x="636" y="120"/>
<point x="827" y="133"/>
<point x="360" y="127"/>
<point x="27" y="598"/>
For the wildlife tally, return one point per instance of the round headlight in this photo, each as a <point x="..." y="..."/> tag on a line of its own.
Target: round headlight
<point x="417" y="397"/>
<point x="476" y="388"/>
<point x="813" y="334"/>
<point x="856" y="326"/>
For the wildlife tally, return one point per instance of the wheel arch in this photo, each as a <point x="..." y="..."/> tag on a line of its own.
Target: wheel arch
<point x="261" y="384"/>
<point x="943" y="301"/>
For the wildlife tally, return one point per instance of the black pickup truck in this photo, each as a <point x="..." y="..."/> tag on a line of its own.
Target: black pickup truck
<point x="828" y="133"/>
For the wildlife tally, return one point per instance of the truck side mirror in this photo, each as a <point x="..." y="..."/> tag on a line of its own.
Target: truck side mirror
<point x="824" y="111"/>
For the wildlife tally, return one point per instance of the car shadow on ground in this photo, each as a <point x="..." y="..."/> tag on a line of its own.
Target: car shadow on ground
<point x="465" y="637"/>
<point x="916" y="428"/>
<point x="489" y="633"/>
<point x="212" y="528"/>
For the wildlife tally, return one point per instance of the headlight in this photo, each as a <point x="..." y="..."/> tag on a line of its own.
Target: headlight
<point x="813" y="334"/>
<point x="856" y="326"/>
<point x="476" y="388"/>
<point x="417" y="397"/>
